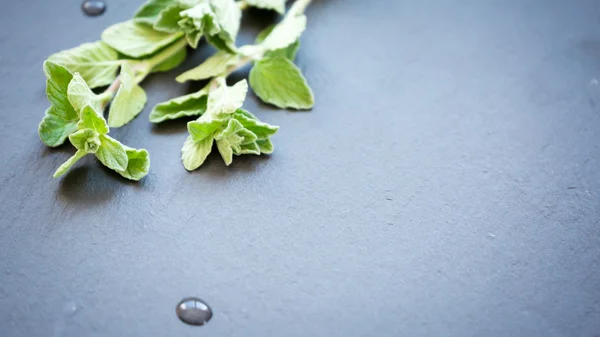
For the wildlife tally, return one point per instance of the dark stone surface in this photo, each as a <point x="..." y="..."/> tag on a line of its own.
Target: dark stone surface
<point x="446" y="184"/>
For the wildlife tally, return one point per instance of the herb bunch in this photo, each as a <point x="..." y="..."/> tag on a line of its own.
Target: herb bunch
<point x="154" y="40"/>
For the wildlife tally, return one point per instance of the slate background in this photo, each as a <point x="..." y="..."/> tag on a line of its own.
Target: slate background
<point x="445" y="184"/>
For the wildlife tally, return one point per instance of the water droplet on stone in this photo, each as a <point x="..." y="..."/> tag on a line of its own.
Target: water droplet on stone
<point x="193" y="311"/>
<point x="93" y="7"/>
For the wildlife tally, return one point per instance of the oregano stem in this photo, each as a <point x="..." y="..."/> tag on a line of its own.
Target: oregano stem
<point x="142" y="69"/>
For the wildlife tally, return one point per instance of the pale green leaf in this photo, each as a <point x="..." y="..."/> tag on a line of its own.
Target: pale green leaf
<point x="276" y="5"/>
<point x="225" y="99"/>
<point x="57" y="84"/>
<point x="137" y="39"/>
<point x="138" y="164"/>
<point x="260" y="129"/>
<point x="91" y="120"/>
<point x="86" y="140"/>
<point x="193" y="154"/>
<point x="54" y="128"/>
<point x="285" y="33"/>
<point x="204" y="127"/>
<point x="168" y="19"/>
<point x="149" y="11"/>
<point x="287" y="52"/>
<point x="80" y="94"/>
<point x="129" y="100"/>
<point x="96" y="62"/>
<point x="188" y="105"/>
<point x="236" y="133"/>
<point x="229" y="16"/>
<point x="172" y="62"/>
<point x="278" y="81"/>
<point x="62" y="169"/>
<point x="225" y="150"/>
<point x="265" y="146"/>
<point x="112" y="154"/>
<point x="250" y="148"/>
<point x="211" y="67"/>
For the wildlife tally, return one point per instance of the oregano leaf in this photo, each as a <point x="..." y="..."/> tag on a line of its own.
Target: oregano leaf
<point x="112" y="154"/>
<point x="193" y="154"/>
<point x="62" y="169"/>
<point x="129" y="100"/>
<point x="137" y="39"/>
<point x="188" y="105"/>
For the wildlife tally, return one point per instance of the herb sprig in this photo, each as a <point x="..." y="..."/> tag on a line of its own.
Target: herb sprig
<point x="155" y="40"/>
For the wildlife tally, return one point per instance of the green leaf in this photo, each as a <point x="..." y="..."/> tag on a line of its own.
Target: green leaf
<point x="225" y="99"/>
<point x="288" y="52"/>
<point x="129" y="100"/>
<point x="62" y="169"/>
<point x="213" y="66"/>
<point x="225" y="150"/>
<point x="236" y="133"/>
<point x="137" y="39"/>
<point x="250" y="148"/>
<point x="276" y="5"/>
<point x="149" y="12"/>
<point x="54" y="128"/>
<point x="86" y="140"/>
<point x="278" y="81"/>
<point x="229" y="16"/>
<point x="188" y="105"/>
<point x="193" y="154"/>
<point x="57" y="84"/>
<point x="80" y="94"/>
<point x="96" y="62"/>
<point x="168" y="19"/>
<point x="260" y="129"/>
<point x="204" y="127"/>
<point x="265" y="146"/>
<point x="285" y="33"/>
<point x="60" y="119"/>
<point x="91" y="120"/>
<point x="172" y="62"/>
<point x="112" y="154"/>
<point x="138" y="164"/>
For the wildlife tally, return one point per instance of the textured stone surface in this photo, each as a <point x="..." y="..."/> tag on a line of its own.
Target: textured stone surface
<point x="445" y="184"/>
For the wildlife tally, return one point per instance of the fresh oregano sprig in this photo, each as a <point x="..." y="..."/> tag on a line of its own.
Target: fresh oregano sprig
<point x="155" y="40"/>
<point x="274" y="78"/>
<point x="74" y="114"/>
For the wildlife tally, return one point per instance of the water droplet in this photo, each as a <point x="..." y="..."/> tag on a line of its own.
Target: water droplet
<point x="93" y="7"/>
<point x="193" y="311"/>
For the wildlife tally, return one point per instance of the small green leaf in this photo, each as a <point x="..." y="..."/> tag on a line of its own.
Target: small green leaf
<point x="250" y="148"/>
<point x="285" y="33"/>
<point x="225" y="150"/>
<point x="276" y="5"/>
<point x="54" y="128"/>
<point x="213" y="66"/>
<point x="57" y="84"/>
<point x="193" y="154"/>
<point x="149" y="12"/>
<point x="112" y="154"/>
<point x="62" y="169"/>
<point x="60" y="119"/>
<point x="225" y="99"/>
<point x="236" y="133"/>
<point x="137" y="39"/>
<point x="96" y="62"/>
<point x="80" y="94"/>
<point x="168" y="19"/>
<point x="204" y="127"/>
<point x="188" y="105"/>
<point x="288" y="52"/>
<point x="228" y="15"/>
<point x="172" y="62"/>
<point x="278" y="81"/>
<point x="138" y="164"/>
<point x="91" y="120"/>
<point x="129" y="100"/>
<point x="86" y="140"/>
<point x="265" y="146"/>
<point x="260" y="129"/>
